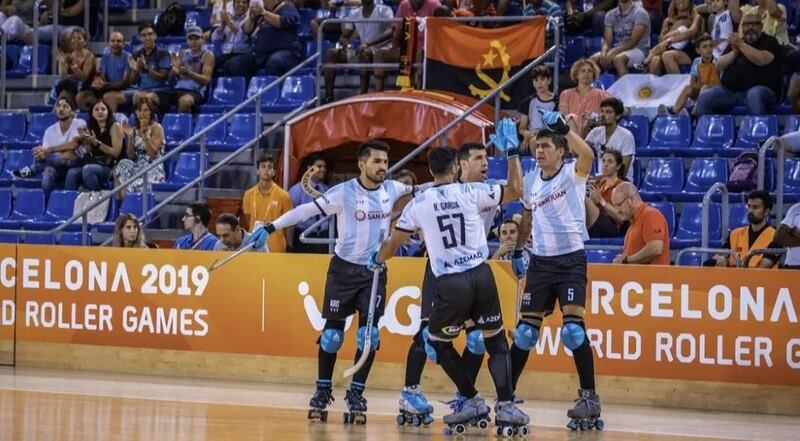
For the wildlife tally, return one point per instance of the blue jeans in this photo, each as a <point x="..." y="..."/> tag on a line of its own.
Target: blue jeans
<point x="719" y="100"/>
<point x="57" y="172"/>
<point x="95" y="176"/>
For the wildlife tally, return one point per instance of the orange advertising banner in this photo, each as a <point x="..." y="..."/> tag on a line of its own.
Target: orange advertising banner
<point x="728" y="325"/>
<point x="8" y="257"/>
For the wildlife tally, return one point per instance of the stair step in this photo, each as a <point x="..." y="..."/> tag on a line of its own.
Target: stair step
<point x="23" y="100"/>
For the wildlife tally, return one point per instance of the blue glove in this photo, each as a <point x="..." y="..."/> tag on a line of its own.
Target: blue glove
<point x="259" y="237"/>
<point x="555" y="121"/>
<point x="373" y="264"/>
<point x="518" y="264"/>
<point x="505" y="137"/>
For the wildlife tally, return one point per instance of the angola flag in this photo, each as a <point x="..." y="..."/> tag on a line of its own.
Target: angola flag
<point x="473" y="61"/>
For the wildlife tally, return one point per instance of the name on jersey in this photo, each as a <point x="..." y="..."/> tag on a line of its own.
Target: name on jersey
<point x="438" y="206"/>
<point x="552" y="197"/>
<point x="463" y="260"/>
<point x="362" y="215"/>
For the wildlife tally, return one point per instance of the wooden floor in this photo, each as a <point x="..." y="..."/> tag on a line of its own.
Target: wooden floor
<point x="59" y="405"/>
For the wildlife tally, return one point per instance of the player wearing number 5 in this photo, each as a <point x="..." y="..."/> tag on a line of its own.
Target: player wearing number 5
<point x="555" y="215"/>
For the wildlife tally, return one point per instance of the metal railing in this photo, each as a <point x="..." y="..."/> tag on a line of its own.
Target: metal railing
<point x="779" y="171"/>
<point x="717" y="187"/>
<point x="705" y="251"/>
<point x="3" y="68"/>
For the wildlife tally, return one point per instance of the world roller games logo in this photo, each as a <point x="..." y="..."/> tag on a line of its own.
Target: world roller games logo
<point x="496" y="50"/>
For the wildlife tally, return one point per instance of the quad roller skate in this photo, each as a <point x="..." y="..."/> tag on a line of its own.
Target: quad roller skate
<point x="414" y="408"/>
<point x="472" y="412"/>
<point x="585" y="415"/>
<point x="356" y="407"/>
<point x="320" y="401"/>
<point x="510" y="420"/>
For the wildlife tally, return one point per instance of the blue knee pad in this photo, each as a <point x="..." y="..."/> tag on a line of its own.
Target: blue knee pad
<point x="475" y="343"/>
<point x="572" y="335"/>
<point x="428" y="348"/>
<point x="331" y="340"/>
<point x="375" y="338"/>
<point x="526" y="336"/>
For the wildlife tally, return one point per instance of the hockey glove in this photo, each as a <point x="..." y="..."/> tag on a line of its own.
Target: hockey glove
<point x="518" y="263"/>
<point x="555" y="121"/>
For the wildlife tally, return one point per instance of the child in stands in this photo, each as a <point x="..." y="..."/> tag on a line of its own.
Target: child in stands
<point x="704" y="74"/>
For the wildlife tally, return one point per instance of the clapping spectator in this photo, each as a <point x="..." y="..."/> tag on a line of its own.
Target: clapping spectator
<point x="113" y="77"/>
<point x="195" y="222"/>
<point x="582" y="102"/>
<point x="603" y="219"/>
<point x="220" y="8"/>
<point x="231" y="235"/>
<point x="703" y="75"/>
<point x="76" y="67"/>
<point x="626" y="37"/>
<point x="530" y="121"/>
<point x="722" y="26"/>
<point x="144" y="145"/>
<point x="771" y="13"/>
<point x="101" y="144"/>
<point x="231" y="35"/>
<point x="192" y="69"/>
<point x="609" y="135"/>
<point x="275" y="43"/>
<point x="582" y="15"/>
<point x="149" y="69"/>
<point x="676" y="44"/>
<point x="647" y="239"/>
<point x="128" y="232"/>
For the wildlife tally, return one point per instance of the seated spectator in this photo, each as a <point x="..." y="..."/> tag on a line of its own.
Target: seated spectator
<point x="76" y="67"/>
<point x="144" y="144"/>
<point x="609" y="135"/>
<point x="787" y="236"/>
<point x="70" y="16"/>
<point x="405" y="176"/>
<point x="56" y="156"/>
<point x="232" y="237"/>
<point x="751" y="73"/>
<point x="583" y="15"/>
<point x="603" y="219"/>
<point x="530" y="120"/>
<point x="275" y="45"/>
<point x="376" y="46"/>
<point x="14" y="25"/>
<point x="299" y="197"/>
<point x="265" y="202"/>
<point x="722" y="26"/>
<point x="231" y="35"/>
<point x="195" y="222"/>
<point x="149" y="67"/>
<point x="192" y="69"/>
<point x="676" y="44"/>
<point x="582" y="102"/>
<point x="758" y="234"/>
<point x="647" y="239"/>
<point x="789" y="142"/>
<point x="771" y="13"/>
<point x="220" y="8"/>
<point x="703" y="75"/>
<point x="626" y="38"/>
<point x="114" y="74"/>
<point x="545" y="8"/>
<point x="101" y="143"/>
<point x="128" y="232"/>
<point x="508" y="232"/>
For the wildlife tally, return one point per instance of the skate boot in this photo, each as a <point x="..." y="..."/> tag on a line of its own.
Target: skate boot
<point x="586" y="412"/>
<point x="414" y="408"/>
<point x="322" y="399"/>
<point x="510" y="420"/>
<point x="356" y="406"/>
<point x="466" y="412"/>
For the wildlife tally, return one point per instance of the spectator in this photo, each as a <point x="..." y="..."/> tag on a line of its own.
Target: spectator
<point x="626" y="38"/>
<point x="128" y="232"/>
<point x="230" y="35"/>
<point x="583" y="15"/>
<point x="232" y="237"/>
<point x="56" y="156"/>
<point x="149" y="70"/>
<point x="676" y="44"/>
<point x="444" y="11"/>
<point x="70" y="16"/>
<point x="788" y="236"/>
<point x="771" y="13"/>
<point x="545" y="8"/>
<point x="789" y="142"/>
<point x="13" y="23"/>
<point x="530" y="120"/>
<point x="647" y="239"/>
<point x="703" y="75"/>
<point x="192" y="69"/>
<point x="413" y="8"/>
<point x="376" y="46"/>
<point x="102" y="141"/>
<point x="219" y="8"/>
<point x="265" y="202"/>
<point x="195" y="221"/>
<point x="603" y="219"/>
<point x="582" y="102"/>
<point x="609" y="135"/>
<point x="758" y="234"/>
<point x="751" y="73"/>
<point x="275" y="44"/>
<point x="508" y="231"/>
<point x="655" y="9"/>
<point x="406" y="176"/>
<point x="114" y="74"/>
<point x="76" y="67"/>
<point x="722" y="26"/>
<point x="299" y="197"/>
<point x="144" y="145"/>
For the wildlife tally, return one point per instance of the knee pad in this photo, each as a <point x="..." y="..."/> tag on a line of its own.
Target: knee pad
<point x="572" y="333"/>
<point x="331" y="340"/>
<point x="375" y="338"/>
<point x="428" y="347"/>
<point x="475" y="342"/>
<point x="525" y="336"/>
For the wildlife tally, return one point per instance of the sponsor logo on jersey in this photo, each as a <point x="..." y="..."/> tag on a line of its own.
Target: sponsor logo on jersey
<point x="463" y="260"/>
<point x="490" y="319"/>
<point x="452" y="330"/>
<point x="362" y="215"/>
<point x="552" y="197"/>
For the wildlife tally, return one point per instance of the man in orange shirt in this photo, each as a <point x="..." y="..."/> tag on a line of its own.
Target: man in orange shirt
<point x="647" y="240"/>
<point x="265" y="202"/>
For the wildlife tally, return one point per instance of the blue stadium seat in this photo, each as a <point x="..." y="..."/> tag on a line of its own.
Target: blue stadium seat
<point x="713" y="133"/>
<point x="639" y="126"/>
<point x="5" y="202"/>
<point x="186" y="169"/>
<point x="691" y="258"/>
<point x="737" y="216"/>
<point x="512" y="208"/>
<point x="669" y="132"/>
<point x="791" y="177"/>
<point x="637" y="172"/>
<point x="304" y="27"/>
<point x="12" y="127"/>
<point x="668" y="210"/>
<point x="690" y="226"/>
<point x="227" y="93"/>
<point x="703" y="173"/>
<point x="259" y="82"/>
<point x="12" y="55"/>
<point x="605" y="81"/>
<point x="15" y="160"/>
<point x="600" y="256"/>
<point x="74" y="238"/>
<point x="662" y="176"/>
<point x="527" y="163"/>
<point x="576" y="49"/>
<point x="215" y="136"/>
<point x="792" y="124"/>
<point x="24" y="65"/>
<point x="40" y="239"/>
<point x="498" y="168"/>
<point x="60" y="206"/>
<point x="177" y="128"/>
<point x="241" y="131"/>
<point x="29" y="204"/>
<point x="198" y="17"/>
<point x="39" y="123"/>
<point x="755" y="129"/>
<point x="295" y="91"/>
<point x="131" y="203"/>
<point x="311" y="47"/>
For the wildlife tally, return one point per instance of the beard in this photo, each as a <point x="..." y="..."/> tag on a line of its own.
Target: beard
<point x="751" y="36"/>
<point x="753" y="219"/>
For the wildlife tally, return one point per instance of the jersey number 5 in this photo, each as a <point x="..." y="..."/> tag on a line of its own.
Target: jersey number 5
<point x="448" y="223"/>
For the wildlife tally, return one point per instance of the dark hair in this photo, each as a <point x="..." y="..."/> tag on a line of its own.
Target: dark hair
<point x="405" y="172"/>
<point x="508" y="221"/>
<point x="700" y="39"/>
<point x="765" y="197"/>
<point x="81" y="31"/>
<point x="150" y="106"/>
<point x="615" y="104"/>
<point x="541" y="71"/>
<point x="443" y="11"/>
<point x="558" y="140"/>
<point x="201" y="211"/>
<point x="467" y="148"/>
<point x="228" y="219"/>
<point x="621" y="172"/>
<point x="143" y="26"/>
<point x="311" y="159"/>
<point x="266" y="157"/>
<point x="366" y="147"/>
<point x="94" y="126"/>
<point x="69" y="100"/>
<point x="441" y="160"/>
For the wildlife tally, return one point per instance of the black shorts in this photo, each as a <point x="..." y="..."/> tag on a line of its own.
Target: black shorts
<point x="555" y="277"/>
<point x="471" y="295"/>
<point x="428" y="292"/>
<point x="348" y="289"/>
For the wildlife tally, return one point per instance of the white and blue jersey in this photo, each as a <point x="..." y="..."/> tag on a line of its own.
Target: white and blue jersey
<point x="557" y="209"/>
<point x="361" y="215"/>
<point x="452" y="222"/>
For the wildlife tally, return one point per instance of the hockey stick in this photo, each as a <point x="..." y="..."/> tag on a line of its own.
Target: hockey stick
<point x="220" y="263"/>
<point x="304" y="182"/>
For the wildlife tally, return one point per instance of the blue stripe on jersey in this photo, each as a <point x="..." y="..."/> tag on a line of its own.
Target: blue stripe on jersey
<point x="347" y="234"/>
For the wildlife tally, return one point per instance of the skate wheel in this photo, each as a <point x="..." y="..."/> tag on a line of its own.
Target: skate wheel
<point x="346" y="418"/>
<point x="427" y="419"/>
<point x="584" y="425"/>
<point x="524" y="430"/>
<point x="483" y="424"/>
<point x="460" y="429"/>
<point x="360" y="419"/>
<point x="508" y="431"/>
<point x="400" y="420"/>
<point x="599" y="424"/>
<point x="323" y="416"/>
<point x="572" y="425"/>
<point x="416" y="421"/>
